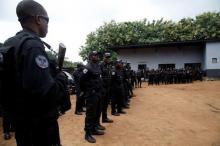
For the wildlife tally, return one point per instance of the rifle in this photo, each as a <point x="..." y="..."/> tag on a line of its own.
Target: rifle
<point x="60" y="55"/>
<point x="65" y="103"/>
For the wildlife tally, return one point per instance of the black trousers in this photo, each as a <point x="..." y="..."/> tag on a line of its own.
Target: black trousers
<point x="79" y="101"/>
<point x="37" y="132"/>
<point x="7" y="126"/>
<point x="99" y="111"/>
<point x="139" y="82"/>
<point x="92" y="111"/>
<point x="105" y="102"/>
<point x="117" y="100"/>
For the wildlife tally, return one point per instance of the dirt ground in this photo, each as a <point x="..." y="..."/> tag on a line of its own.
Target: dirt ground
<point x="165" y="115"/>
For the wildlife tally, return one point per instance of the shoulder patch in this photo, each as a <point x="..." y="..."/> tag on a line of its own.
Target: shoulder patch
<point x="85" y="71"/>
<point x="41" y="61"/>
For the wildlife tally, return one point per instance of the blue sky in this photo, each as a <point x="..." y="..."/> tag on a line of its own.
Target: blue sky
<point x="71" y="21"/>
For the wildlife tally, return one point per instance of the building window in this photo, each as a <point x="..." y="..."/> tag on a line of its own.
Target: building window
<point x="142" y="66"/>
<point x="214" y="60"/>
<point x="166" y="66"/>
<point x="193" y="66"/>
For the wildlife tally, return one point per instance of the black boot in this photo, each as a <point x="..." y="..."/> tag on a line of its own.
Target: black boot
<point x="122" y="112"/>
<point x="7" y="136"/>
<point x="98" y="132"/>
<point x="100" y="127"/>
<point x="127" y="106"/>
<point x="115" y="114"/>
<point x="89" y="138"/>
<point x="78" y="113"/>
<point x="107" y="120"/>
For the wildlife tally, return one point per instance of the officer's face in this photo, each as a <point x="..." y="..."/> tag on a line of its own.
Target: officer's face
<point x="121" y="65"/>
<point x="94" y="58"/>
<point x="107" y="59"/>
<point x="43" y="27"/>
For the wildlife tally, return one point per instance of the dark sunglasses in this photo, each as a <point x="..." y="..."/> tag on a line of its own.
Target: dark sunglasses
<point x="45" y="18"/>
<point x="28" y="17"/>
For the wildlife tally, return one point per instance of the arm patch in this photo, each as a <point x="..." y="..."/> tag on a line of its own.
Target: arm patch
<point x="41" y="61"/>
<point x="85" y="71"/>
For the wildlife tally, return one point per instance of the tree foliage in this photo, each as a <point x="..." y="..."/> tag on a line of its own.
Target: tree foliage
<point x="66" y="63"/>
<point x="204" y="26"/>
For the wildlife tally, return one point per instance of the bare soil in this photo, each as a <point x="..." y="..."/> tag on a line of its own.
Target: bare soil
<point x="165" y="115"/>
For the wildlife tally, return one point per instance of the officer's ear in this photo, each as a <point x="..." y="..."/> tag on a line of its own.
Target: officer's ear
<point x="37" y="20"/>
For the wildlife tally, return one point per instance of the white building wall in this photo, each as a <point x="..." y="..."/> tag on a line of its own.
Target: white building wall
<point x="154" y="56"/>
<point x="212" y="50"/>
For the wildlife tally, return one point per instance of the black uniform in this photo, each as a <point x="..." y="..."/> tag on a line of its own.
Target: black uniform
<point x="118" y="91"/>
<point x="127" y="87"/>
<point x="32" y="106"/>
<point x="107" y="82"/>
<point x="133" y="79"/>
<point x="91" y="84"/>
<point x="79" y="96"/>
<point x="139" y="78"/>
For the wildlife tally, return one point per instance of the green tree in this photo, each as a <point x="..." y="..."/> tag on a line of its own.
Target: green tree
<point x="204" y="26"/>
<point x="66" y="63"/>
<point x="70" y="64"/>
<point x="207" y="26"/>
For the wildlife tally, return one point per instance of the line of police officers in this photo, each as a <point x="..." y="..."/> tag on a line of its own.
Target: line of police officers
<point x="40" y="91"/>
<point x="101" y="84"/>
<point x="174" y="76"/>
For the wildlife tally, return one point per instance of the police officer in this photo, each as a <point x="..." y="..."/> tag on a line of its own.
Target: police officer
<point x="79" y="94"/>
<point x="106" y="68"/>
<point x="92" y="85"/>
<point x="139" y="82"/>
<point x="118" y="90"/>
<point x="133" y="79"/>
<point x="32" y="106"/>
<point x="127" y="86"/>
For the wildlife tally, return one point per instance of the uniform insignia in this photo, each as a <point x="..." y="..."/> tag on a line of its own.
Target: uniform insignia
<point x="85" y="71"/>
<point x="113" y="73"/>
<point x="41" y="61"/>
